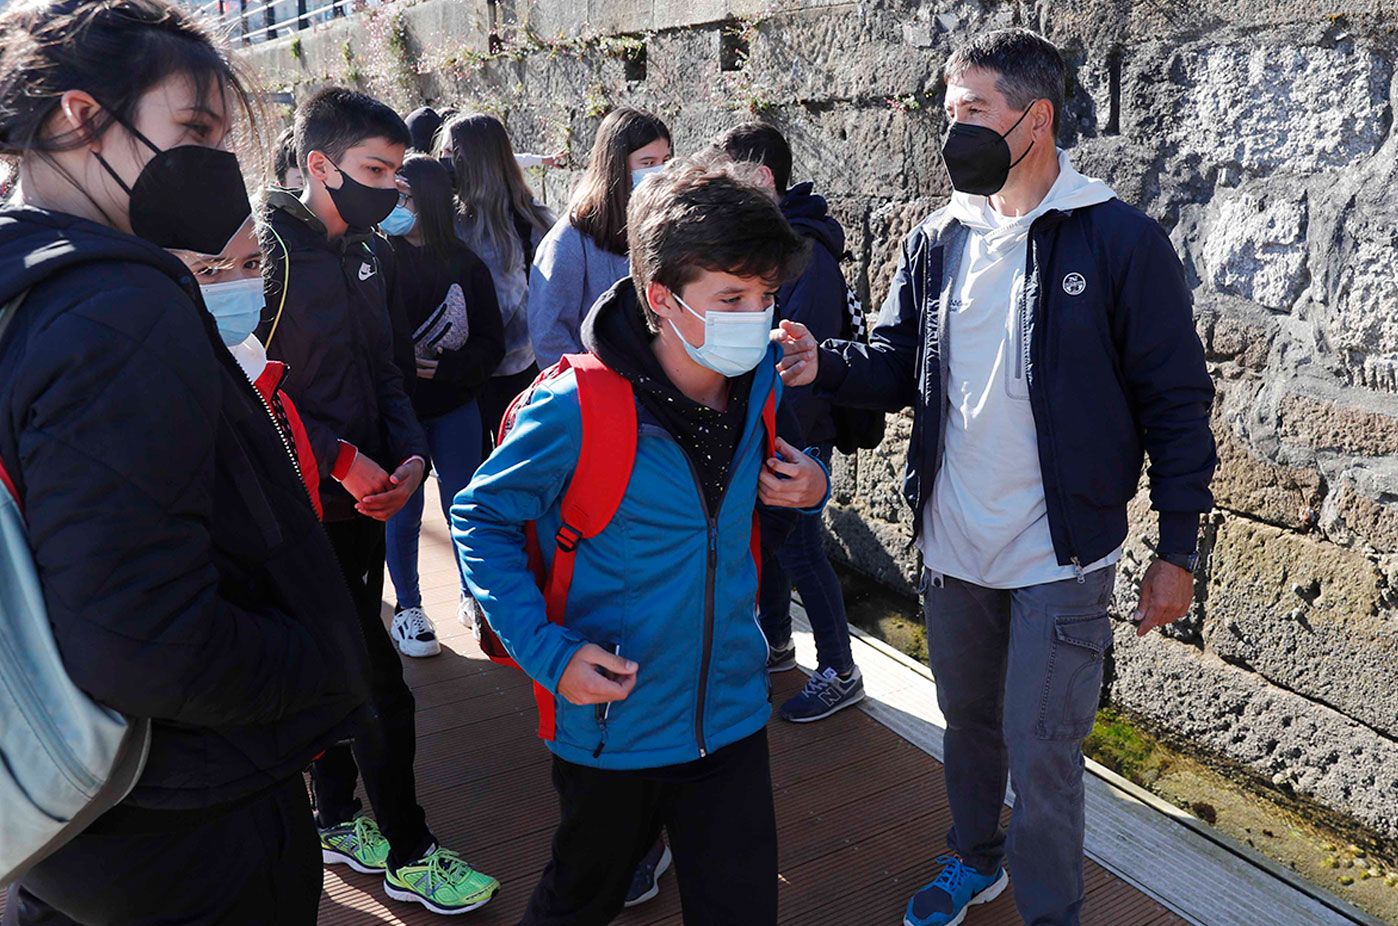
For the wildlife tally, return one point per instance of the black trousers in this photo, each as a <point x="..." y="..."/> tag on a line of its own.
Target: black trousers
<point x="723" y="832"/>
<point x="257" y="863"/>
<point x="385" y="744"/>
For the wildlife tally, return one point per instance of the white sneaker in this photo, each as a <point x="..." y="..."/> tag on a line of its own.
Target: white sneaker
<point x="470" y="616"/>
<point x="414" y="633"/>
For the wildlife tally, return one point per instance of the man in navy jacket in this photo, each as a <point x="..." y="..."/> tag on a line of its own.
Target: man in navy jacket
<point x="1042" y="332"/>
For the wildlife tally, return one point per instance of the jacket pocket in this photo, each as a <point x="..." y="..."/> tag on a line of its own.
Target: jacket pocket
<point x="1073" y="676"/>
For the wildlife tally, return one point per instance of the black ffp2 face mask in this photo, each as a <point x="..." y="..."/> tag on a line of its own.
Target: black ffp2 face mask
<point x="188" y="197"/>
<point x="359" y="205"/>
<point x="978" y="158"/>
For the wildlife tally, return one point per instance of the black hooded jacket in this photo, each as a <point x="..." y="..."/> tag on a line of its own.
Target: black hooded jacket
<point x="184" y="571"/>
<point x="328" y="317"/>
<point x="816" y="299"/>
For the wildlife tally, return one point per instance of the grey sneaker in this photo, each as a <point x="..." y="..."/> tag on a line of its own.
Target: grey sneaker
<point x="782" y="658"/>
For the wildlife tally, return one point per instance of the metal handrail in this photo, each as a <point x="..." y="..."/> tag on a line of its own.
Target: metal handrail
<point x="237" y="20"/>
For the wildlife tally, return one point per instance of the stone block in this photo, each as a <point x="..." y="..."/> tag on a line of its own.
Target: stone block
<point x="1258" y="103"/>
<point x="1362" y="509"/>
<point x="1251" y="242"/>
<point x="1307" y="615"/>
<point x="1247" y="481"/>
<point x="1334" y="426"/>
<point x="1282" y="737"/>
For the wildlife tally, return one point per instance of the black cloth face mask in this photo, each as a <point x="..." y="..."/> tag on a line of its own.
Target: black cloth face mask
<point x="359" y="205"/>
<point x="188" y="197"/>
<point x="978" y="158"/>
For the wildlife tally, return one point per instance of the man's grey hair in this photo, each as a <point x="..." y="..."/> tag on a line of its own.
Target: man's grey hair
<point x="1027" y="67"/>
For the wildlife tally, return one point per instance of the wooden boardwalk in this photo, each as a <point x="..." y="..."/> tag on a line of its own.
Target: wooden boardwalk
<point x="860" y="811"/>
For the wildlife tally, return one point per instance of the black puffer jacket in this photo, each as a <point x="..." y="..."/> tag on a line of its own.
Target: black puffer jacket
<point x="185" y="573"/>
<point x="328" y="320"/>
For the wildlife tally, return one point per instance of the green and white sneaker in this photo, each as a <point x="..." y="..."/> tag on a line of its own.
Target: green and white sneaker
<point x="358" y="844"/>
<point x="442" y="882"/>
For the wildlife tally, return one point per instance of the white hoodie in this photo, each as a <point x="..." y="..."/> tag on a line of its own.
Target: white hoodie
<point x="251" y="356"/>
<point x="988" y="522"/>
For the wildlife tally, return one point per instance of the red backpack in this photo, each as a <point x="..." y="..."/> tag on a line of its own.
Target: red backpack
<point x="605" y="459"/>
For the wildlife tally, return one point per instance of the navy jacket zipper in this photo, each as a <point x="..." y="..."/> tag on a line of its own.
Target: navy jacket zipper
<point x="1041" y="413"/>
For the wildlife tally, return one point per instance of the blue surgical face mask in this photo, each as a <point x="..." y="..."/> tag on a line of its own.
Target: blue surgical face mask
<point x="734" y="342"/>
<point x="642" y="173"/>
<point x="399" y="222"/>
<point x="236" y="307"/>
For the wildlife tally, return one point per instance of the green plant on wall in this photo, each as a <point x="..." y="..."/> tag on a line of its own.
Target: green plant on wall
<point x="347" y="52"/>
<point x="624" y="47"/>
<point x="297" y="50"/>
<point x="400" y="47"/>
<point x="596" y="103"/>
<point x="908" y="103"/>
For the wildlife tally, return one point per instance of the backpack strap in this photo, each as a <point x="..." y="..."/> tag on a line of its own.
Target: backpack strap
<point x="769" y="428"/>
<point x="7" y="314"/>
<point x="605" y="460"/>
<point x="9" y="485"/>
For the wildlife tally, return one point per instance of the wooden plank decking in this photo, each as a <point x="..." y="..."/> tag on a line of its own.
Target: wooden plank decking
<point x="861" y="812"/>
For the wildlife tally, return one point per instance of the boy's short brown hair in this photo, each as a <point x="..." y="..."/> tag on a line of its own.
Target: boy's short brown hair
<point x="708" y="213"/>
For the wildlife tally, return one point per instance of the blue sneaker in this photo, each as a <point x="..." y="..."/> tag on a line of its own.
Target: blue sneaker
<point x="645" y="881"/>
<point x="824" y="694"/>
<point x="957" y="887"/>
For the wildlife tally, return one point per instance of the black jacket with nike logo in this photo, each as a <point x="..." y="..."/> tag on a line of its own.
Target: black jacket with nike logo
<point x="328" y="320"/>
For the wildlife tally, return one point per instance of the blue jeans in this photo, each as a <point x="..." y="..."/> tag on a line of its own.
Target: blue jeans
<point x="1019" y="677"/>
<point x="801" y="560"/>
<point x="455" y="442"/>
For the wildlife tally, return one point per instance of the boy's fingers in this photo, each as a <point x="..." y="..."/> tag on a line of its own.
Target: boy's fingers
<point x="613" y="663"/>
<point x="774" y="491"/>
<point x="603" y="689"/>
<point x="784" y="467"/>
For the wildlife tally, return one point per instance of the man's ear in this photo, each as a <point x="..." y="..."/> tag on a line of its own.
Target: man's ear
<point x="1043" y="118"/>
<point x="768" y="178"/>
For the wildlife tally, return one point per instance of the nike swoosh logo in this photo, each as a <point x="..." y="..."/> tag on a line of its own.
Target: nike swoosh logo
<point x="366" y="271"/>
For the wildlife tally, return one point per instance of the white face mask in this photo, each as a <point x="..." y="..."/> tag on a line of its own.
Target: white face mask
<point x="734" y="342"/>
<point x="642" y="173"/>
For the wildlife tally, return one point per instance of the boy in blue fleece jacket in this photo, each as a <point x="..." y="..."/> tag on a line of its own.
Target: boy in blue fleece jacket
<point x="673" y="734"/>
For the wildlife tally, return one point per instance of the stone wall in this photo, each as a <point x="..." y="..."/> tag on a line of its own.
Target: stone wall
<point x="1261" y="135"/>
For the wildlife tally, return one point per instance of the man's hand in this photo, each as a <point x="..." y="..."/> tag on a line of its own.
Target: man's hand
<point x="1167" y="592"/>
<point x="426" y="369"/>
<point x="799" y="355"/>
<point x="794" y="481"/>
<point x="403" y="483"/>
<point x="365" y="478"/>
<point x="583" y="682"/>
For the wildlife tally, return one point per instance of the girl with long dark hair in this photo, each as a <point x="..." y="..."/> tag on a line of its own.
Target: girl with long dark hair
<point x="451" y="308"/>
<point x="585" y="252"/>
